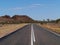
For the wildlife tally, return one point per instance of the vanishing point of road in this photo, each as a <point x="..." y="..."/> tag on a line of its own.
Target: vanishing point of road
<point x="31" y="34"/>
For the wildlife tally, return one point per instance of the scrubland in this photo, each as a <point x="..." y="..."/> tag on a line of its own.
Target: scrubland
<point x="9" y="28"/>
<point x="52" y="26"/>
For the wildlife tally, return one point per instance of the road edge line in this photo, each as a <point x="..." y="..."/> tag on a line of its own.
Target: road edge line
<point x="51" y="31"/>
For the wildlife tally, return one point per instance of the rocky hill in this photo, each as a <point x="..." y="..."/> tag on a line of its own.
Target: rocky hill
<point x="15" y="19"/>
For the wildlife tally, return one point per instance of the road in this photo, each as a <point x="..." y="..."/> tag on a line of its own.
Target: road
<point x="31" y="34"/>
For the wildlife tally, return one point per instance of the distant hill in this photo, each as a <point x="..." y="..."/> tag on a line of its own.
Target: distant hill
<point x="15" y="19"/>
<point x="23" y="19"/>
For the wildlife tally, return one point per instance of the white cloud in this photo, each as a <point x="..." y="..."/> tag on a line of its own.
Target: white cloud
<point x="16" y="8"/>
<point x="36" y="4"/>
<point x="26" y="7"/>
<point x="20" y="8"/>
<point x="33" y="5"/>
<point x="11" y="9"/>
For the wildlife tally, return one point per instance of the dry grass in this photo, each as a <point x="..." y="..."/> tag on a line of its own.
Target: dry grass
<point x="53" y="27"/>
<point x="8" y="28"/>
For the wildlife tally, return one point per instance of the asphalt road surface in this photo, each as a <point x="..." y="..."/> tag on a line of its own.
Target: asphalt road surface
<point x="31" y="34"/>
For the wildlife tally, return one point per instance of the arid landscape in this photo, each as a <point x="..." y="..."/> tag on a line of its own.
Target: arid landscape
<point x="52" y="26"/>
<point x="10" y="24"/>
<point x="29" y="22"/>
<point x="9" y="28"/>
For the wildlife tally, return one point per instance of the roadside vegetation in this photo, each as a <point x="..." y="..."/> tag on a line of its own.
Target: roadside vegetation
<point x="53" y="25"/>
<point x="9" y="28"/>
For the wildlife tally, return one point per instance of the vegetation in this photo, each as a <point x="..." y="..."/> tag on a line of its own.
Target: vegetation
<point x="53" y="25"/>
<point x="9" y="28"/>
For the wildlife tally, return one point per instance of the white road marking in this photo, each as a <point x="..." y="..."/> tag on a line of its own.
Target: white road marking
<point x="53" y="32"/>
<point x="32" y="35"/>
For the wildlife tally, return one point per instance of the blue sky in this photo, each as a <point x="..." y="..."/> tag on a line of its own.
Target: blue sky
<point x="36" y="9"/>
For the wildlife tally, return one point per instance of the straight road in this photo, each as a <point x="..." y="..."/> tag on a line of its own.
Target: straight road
<point x="44" y="37"/>
<point x="31" y="34"/>
<point x="20" y="37"/>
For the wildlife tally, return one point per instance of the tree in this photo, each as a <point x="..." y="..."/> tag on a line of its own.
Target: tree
<point x="57" y="20"/>
<point x="48" y="20"/>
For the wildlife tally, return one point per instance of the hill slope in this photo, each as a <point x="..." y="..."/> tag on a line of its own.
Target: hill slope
<point x="15" y="19"/>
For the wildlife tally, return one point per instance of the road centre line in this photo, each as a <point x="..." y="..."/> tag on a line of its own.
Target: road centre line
<point x="32" y="35"/>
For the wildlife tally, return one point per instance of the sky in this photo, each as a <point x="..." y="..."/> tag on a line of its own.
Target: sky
<point x="36" y="9"/>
